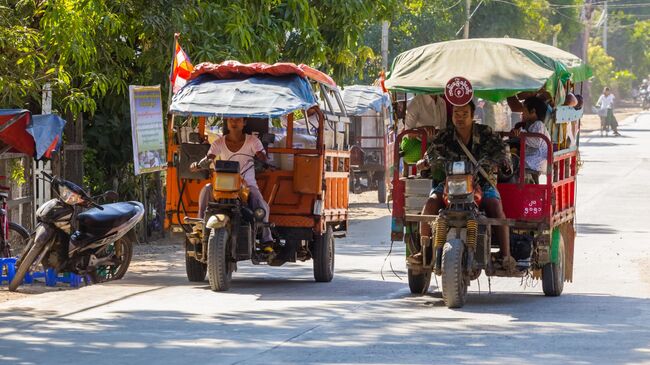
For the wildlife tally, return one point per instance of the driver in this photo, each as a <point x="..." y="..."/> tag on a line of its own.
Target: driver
<point x="243" y="148"/>
<point x="486" y="146"/>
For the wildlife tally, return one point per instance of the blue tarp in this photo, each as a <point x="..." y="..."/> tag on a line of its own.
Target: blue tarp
<point x="260" y="96"/>
<point x="360" y="99"/>
<point x="35" y="135"/>
<point x="46" y="130"/>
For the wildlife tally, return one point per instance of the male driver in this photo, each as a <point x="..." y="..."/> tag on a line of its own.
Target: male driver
<point x="484" y="145"/>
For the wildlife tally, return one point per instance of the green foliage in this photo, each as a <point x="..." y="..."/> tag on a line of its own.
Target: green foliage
<point x="325" y="34"/>
<point x="622" y="83"/>
<point x="420" y="22"/>
<point x="629" y="43"/>
<point x="17" y="171"/>
<point x="603" y="68"/>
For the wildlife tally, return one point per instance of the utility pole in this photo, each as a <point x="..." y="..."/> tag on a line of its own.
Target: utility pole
<point x="384" y="45"/>
<point x="606" y="15"/>
<point x="586" y="19"/>
<point x="468" y="4"/>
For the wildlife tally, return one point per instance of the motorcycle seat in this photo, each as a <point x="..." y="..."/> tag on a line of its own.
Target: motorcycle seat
<point x="99" y="222"/>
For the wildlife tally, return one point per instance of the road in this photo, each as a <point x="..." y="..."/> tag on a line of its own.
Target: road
<point x="280" y="316"/>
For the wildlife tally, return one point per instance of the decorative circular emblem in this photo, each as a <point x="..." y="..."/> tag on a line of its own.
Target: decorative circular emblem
<point x="459" y="91"/>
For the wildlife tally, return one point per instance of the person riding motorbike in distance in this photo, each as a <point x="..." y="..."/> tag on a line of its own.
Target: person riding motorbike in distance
<point x="486" y="147"/>
<point x="243" y="148"/>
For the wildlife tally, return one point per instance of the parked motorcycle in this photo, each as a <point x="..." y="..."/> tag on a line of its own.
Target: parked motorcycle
<point x="75" y="234"/>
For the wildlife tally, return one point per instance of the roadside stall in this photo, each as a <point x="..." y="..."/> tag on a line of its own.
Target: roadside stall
<point x="23" y="137"/>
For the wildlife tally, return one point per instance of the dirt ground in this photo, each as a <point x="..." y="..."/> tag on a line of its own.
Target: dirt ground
<point x="151" y="257"/>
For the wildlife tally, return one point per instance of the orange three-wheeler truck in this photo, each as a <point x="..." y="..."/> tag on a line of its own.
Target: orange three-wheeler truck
<point x="305" y="182"/>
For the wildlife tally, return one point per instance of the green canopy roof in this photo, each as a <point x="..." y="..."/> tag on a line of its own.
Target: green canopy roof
<point x="496" y="67"/>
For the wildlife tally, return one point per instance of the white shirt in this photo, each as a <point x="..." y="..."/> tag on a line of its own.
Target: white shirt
<point x="606" y="102"/>
<point x="536" y="148"/>
<point x="244" y="156"/>
<point x="426" y="111"/>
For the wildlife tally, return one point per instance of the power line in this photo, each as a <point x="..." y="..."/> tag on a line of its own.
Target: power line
<point x="470" y="16"/>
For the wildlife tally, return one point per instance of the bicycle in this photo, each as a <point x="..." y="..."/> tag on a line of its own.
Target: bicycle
<point x="13" y="236"/>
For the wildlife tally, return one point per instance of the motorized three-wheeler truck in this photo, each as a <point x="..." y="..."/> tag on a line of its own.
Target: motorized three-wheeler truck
<point x="369" y="110"/>
<point x="305" y="183"/>
<point x="540" y="216"/>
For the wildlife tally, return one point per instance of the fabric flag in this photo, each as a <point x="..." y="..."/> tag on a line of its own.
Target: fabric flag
<point x="181" y="67"/>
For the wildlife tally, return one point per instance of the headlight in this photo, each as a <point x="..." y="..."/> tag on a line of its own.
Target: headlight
<point x="68" y="196"/>
<point x="459" y="185"/>
<point x="226" y="182"/>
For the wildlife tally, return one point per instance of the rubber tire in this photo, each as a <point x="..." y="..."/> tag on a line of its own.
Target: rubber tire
<point x="419" y="284"/>
<point x="17" y="229"/>
<point x="324" y="257"/>
<point x="219" y="265"/>
<point x="454" y="288"/>
<point x="553" y="274"/>
<point x="122" y="268"/>
<point x="26" y="263"/>
<point x="196" y="270"/>
<point x="381" y="190"/>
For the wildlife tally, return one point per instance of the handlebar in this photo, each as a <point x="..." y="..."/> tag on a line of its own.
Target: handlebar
<point x="74" y="187"/>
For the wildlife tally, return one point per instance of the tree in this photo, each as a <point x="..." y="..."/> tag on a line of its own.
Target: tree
<point x="419" y="22"/>
<point x="91" y="50"/>
<point x="603" y="69"/>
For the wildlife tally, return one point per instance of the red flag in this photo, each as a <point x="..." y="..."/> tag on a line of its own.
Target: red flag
<point x="181" y="67"/>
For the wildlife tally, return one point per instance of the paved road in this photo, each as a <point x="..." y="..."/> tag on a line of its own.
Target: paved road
<point x="279" y="316"/>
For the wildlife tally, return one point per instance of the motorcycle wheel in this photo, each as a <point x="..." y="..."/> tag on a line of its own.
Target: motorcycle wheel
<point x="419" y="283"/>
<point x="553" y="274"/>
<point x="454" y="285"/>
<point x="219" y="265"/>
<point x="26" y="262"/>
<point x="123" y="250"/>
<point x="16" y="242"/>
<point x="324" y="257"/>
<point x="194" y="269"/>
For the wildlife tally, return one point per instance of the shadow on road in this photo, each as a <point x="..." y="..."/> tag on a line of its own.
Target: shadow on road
<point x="587" y="228"/>
<point x="573" y="328"/>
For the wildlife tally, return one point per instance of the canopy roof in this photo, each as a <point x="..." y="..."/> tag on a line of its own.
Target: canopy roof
<point x="359" y="99"/>
<point x="496" y="67"/>
<point x="258" y="96"/>
<point x="36" y="136"/>
<point x="235" y="69"/>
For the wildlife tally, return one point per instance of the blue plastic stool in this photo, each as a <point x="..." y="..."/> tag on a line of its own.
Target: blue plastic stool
<point x="10" y="264"/>
<point x="50" y="275"/>
<point x="52" y="278"/>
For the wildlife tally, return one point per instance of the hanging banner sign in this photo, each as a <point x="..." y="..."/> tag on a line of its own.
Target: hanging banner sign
<point x="147" y="129"/>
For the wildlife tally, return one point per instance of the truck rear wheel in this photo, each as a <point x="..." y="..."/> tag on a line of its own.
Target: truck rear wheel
<point x="454" y="285"/>
<point x="381" y="189"/>
<point x="219" y="264"/>
<point x="324" y="257"/>
<point x="194" y="269"/>
<point x="553" y="273"/>
<point x="419" y="283"/>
